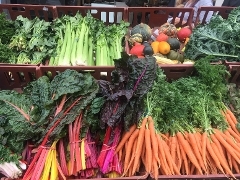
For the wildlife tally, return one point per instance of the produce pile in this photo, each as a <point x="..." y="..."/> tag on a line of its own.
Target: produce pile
<point x="168" y="44"/>
<point x="76" y="126"/>
<point x="219" y="38"/>
<point x="69" y="40"/>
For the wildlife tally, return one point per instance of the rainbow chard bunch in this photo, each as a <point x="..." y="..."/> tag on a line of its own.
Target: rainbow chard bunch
<point x="108" y="161"/>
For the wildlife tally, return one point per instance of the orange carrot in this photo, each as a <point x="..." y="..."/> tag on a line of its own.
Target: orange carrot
<point x="220" y="148"/>
<point x="198" y="138"/>
<point x="230" y="141"/>
<point x="173" y="147"/>
<point x="224" y="165"/>
<point x="164" y="136"/>
<point x="235" y="165"/>
<point x="235" y="135"/>
<point x="231" y="123"/>
<point x="185" y="161"/>
<point x="167" y="158"/>
<point x="204" y="147"/>
<point x="187" y="148"/>
<point x="153" y="139"/>
<point x="129" y="148"/>
<point x="155" y="168"/>
<point x="233" y="117"/>
<point x="194" y="146"/>
<point x="143" y="154"/>
<point x="229" y="158"/>
<point x="162" y="156"/>
<point x="125" y="137"/>
<point x="214" y="156"/>
<point x="211" y="168"/>
<point x="129" y="168"/>
<point x="139" y="143"/>
<point x="173" y="166"/>
<point x="148" y="150"/>
<point x="179" y="157"/>
<point x="226" y="145"/>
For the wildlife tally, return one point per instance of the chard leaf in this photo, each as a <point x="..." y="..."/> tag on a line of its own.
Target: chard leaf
<point x="131" y="80"/>
<point x="75" y="85"/>
<point x="71" y="82"/>
<point x="39" y="94"/>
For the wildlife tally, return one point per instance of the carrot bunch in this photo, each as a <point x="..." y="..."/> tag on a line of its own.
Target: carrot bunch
<point x="192" y="152"/>
<point x="138" y="149"/>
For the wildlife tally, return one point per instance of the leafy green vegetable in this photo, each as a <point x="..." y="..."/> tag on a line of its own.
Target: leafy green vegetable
<point x="131" y="80"/>
<point x="7" y="29"/>
<point x="7" y="55"/>
<point x="219" y="38"/>
<point x="33" y="40"/>
<point x="30" y="115"/>
<point x="80" y="39"/>
<point x="189" y="102"/>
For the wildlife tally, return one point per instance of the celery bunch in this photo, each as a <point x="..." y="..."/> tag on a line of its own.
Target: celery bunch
<point x="87" y="41"/>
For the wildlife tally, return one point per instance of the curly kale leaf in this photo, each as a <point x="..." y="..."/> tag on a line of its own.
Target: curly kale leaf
<point x="219" y="38"/>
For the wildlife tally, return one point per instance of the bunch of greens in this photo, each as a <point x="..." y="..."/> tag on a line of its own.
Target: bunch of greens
<point x="189" y="102"/>
<point x="219" y="38"/>
<point x="131" y="81"/>
<point x="80" y="38"/>
<point x="31" y="114"/>
<point x="33" y="40"/>
<point x="7" y="29"/>
<point x="7" y="55"/>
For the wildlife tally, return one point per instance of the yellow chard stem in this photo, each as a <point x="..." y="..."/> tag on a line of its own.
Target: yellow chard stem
<point x="83" y="154"/>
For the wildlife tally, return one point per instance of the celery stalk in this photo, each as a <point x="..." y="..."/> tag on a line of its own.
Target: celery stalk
<point x="66" y="60"/>
<point x="90" y="61"/>
<point x="98" y="54"/>
<point x="74" y="48"/>
<point x="63" y="48"/>
<point x="79" y="56"/>
<point x="85" y="46"/>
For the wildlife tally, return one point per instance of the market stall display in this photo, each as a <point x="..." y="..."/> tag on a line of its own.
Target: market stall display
<point x="139" y="117"/>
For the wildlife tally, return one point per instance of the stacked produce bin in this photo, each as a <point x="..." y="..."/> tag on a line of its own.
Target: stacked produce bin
<point x="18" y="76"/>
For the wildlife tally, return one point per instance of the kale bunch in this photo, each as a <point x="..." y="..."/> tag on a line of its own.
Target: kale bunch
<point x="219" y="38"/>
